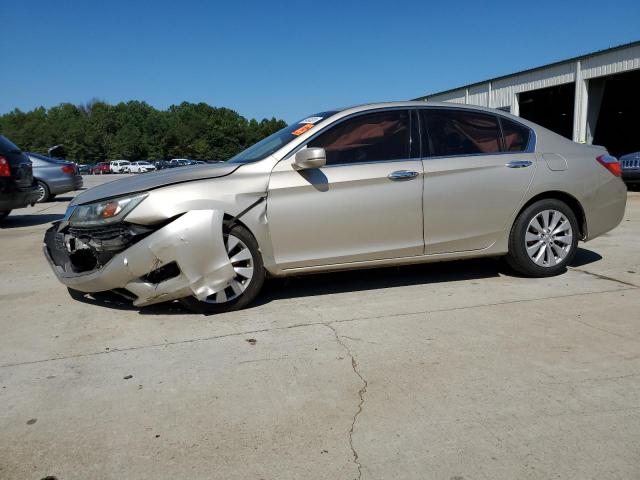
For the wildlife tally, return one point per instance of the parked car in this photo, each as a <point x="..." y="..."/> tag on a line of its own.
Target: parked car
<point x="54" y="176"/>
<point x="160" y="164"/>
<point x="119" y="166"/>
<point x="630" y="165"/>
<point x="17" y="188"/>
<point x="140" y="167"/>
<point x="181" y="162"/>
<point x="85" y="168"/>
<point x="380" y="184"/>
<point x="101" y="168"/>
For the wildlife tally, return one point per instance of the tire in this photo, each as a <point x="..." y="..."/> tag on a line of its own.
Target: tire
<point x="45" y="194"/>
<point x="543" y="239"/>
<point x="4" y="214"/>
<point x="250" y="289"/>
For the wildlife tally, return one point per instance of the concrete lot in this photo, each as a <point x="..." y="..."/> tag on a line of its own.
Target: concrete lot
<point x="447" y="371"/>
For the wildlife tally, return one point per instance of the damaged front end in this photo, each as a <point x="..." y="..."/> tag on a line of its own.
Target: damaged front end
<point x="149" y="264"/>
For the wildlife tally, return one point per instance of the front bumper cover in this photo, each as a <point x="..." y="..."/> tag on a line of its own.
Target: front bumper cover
<point x="194" y="241"/>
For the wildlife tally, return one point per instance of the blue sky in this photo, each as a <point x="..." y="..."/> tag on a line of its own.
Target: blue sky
<point x="286" y="59"/>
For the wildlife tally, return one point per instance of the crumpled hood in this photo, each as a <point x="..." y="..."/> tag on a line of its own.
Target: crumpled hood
<point x="149" y="181"/>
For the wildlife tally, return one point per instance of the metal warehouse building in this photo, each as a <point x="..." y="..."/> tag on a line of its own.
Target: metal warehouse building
<point x="594" y="98"/>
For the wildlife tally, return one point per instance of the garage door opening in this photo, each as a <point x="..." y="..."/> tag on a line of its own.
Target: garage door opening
<point x="550" y="107"/>
<point x="614" y="112"/>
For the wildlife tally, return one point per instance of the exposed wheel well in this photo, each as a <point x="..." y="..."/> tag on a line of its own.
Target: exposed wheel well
<point x="227" y="218"/>
<point x="573" y="204"/>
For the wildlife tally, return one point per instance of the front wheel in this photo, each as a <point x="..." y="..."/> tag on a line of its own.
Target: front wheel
<point x="249" y="277"/>
<point x="543" y="239"/>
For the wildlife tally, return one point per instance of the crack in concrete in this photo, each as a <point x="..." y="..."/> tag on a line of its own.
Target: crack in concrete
<point x="361" y="392"/>
<point x="603" y="277"/>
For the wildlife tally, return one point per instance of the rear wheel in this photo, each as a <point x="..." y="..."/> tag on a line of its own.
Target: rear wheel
<point x="245" y="257"/>
<point x="43" y="192"/>
<point x="543" y="239"/>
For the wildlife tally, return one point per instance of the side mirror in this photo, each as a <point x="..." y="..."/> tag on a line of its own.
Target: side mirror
<point x="310" y="158"/>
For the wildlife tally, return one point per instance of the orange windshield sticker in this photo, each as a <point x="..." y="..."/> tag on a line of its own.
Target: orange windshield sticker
<point x="302" y="129"/>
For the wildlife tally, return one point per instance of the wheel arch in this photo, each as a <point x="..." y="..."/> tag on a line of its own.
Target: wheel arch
<point x="569" y="200"/>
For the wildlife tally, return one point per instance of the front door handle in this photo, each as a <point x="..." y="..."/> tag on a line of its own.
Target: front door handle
<point x="518" y="164"/>
<point x="402" y="175"/>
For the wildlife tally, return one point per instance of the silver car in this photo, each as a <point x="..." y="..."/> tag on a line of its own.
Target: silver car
<point x="54" y="176"/>
<point x="140" y="167"/>
<point x="373" y="185"/>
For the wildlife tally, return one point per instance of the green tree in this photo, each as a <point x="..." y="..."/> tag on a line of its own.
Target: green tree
<point x="97" y="131"/>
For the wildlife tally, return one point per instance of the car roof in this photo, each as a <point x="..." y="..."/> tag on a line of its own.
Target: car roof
<point x="420" y="104"/>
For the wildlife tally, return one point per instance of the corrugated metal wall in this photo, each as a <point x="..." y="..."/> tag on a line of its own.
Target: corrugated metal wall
<point x="502" y="92"/>
<point x="611" y="63"/>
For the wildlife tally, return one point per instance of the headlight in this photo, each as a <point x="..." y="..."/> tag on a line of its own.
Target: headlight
<point x="106" y="211"/>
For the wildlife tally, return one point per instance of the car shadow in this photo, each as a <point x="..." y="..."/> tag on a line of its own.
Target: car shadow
<point x="380" y="278"/>
<point x="17" y="221"/>
<point x="117" y="302"/>
<point x="585" y="257"/>
<point x="345" y="282"/>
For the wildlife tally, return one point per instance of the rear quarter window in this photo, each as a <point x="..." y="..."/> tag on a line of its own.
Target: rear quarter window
<point x="7" y="146"/>
<point x="516" y="136"/>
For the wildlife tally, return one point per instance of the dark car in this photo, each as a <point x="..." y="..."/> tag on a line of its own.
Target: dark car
<point x="630" y="165"/>
<point x="54" y="176"/>
<point x="85" y="168"/>
<point x="101" y="168"/>
<point x="17" y="188"/>
<point x="181" y="162"/>
<point x="160" y="164"/>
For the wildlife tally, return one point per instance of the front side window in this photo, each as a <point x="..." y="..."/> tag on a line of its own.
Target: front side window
<point x="516" y="136"/>
<point x="367" y="138"/>
<point x="461" y="132"/>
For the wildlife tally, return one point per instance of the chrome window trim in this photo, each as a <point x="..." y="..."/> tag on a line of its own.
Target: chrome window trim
<point x="438" y="157"/>
<point x="373" y="162"/>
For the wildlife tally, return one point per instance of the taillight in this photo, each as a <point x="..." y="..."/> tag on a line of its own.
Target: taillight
<point x="610" y="163"/>
<point x="5" y="171"/>
<point x="68" y="169"/>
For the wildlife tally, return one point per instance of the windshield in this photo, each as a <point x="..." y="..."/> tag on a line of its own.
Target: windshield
<point x="274" y="142"/>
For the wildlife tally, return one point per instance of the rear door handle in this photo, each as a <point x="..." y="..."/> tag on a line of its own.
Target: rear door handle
<point x="402" y="175"/>
<point x="518" y="164"/>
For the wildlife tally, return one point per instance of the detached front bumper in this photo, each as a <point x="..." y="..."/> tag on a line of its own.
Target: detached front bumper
<point x="185" y="257"/>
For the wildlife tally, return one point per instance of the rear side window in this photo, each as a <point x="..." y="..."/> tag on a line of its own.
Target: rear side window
<point x="516" y="136"/>
<point x="367" y="138"/>
<point x="460" y="132"/>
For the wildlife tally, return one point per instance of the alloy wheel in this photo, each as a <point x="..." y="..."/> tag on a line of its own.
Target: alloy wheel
<point x="549" y="238"/>
<point x="42" y="193"/>
<point x="243" y="265"/>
